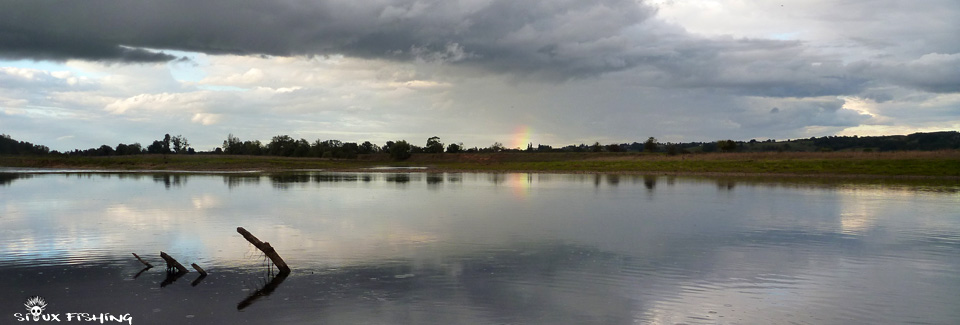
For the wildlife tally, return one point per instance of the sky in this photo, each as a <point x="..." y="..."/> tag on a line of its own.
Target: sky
<point x="79" y="74"/>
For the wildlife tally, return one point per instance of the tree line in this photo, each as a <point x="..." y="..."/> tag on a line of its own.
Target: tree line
<point x="167" y="145"/>
<point x="284" y="145"/>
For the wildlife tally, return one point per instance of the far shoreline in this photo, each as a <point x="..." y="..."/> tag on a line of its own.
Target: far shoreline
<point x="914" y="165"/>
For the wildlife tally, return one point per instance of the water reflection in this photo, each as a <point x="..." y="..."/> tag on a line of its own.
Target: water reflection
<point x="287" y="180"/>
<point x="524" y="180"/>
<point x="141" y="272"/>
<point x="198" y="280"/>
<point x="168" y="180"/>
<point x="434" y="178"/>
<point x="398" y="178"/>
<point x="344" y="177"/>
<point x="613" y="179"/>
<point x="467" y="248"/>
<point x="726" y="184"/>
<point x="7" y="178"/>
<point x="264" y="291"/>
<point x="172" y="276"/>
<point x="235" y="180"/>
<point x="650" y="182"/>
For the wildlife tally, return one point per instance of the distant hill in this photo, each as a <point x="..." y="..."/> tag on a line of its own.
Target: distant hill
<point x="946" y="140"/>
<point x="917" y="141"/>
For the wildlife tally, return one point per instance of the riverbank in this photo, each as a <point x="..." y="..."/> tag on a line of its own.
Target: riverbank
<point x="928" y="164"/>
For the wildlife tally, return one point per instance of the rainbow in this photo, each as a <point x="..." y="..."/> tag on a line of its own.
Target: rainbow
<point x="521" y="137"/>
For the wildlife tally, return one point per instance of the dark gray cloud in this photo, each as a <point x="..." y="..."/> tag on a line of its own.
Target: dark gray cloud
<point x="937" y="73"/>
<point x="551" y="39"/>
<point x="18" y="42"/>
<point x="505" y="34"/>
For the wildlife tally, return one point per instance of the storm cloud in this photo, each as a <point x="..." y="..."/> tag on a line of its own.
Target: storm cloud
<point x="557" y="39"/>
<point x="576" y="70"/>
<point x="554" y="39"/>
<point x="574" y="36"/>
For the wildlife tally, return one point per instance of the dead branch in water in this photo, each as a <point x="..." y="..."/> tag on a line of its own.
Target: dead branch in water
<point x="267" y="250"/>
<point x="197" y="267"/>
<point x="142" y="261"/>
<point x="172" y="263"/>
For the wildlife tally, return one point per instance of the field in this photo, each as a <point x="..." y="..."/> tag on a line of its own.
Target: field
<point x="926" y="164"/>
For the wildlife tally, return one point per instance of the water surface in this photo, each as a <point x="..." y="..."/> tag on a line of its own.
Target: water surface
<point x="469" y="248"/>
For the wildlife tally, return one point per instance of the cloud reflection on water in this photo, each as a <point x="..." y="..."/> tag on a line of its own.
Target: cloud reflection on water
<point x="423" y="248"/>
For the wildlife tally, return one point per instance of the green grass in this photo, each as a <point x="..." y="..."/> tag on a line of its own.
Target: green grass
<point x="809" y="167"/>
<point x="175" y="162"/>
<point x="942" y="164"/>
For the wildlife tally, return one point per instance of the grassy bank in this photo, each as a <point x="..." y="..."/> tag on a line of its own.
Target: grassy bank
<point x="939" y="164"/>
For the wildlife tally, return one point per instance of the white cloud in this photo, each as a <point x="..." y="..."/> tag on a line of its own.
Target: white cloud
<point x="206" y="118"/>
<point x="161" y="102"/>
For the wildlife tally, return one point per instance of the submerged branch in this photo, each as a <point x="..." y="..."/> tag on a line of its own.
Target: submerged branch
<point x="142" y="261"/>
<point x="197" y="267"/>
<point x="172" y="263"/>
<point x="267" y="250"/>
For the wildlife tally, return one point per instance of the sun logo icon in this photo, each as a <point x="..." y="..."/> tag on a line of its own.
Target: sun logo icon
<point x="35" y="306"/>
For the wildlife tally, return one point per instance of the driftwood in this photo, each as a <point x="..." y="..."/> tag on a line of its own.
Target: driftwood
<point x="267" y="250"/>
<point x="141" y="260"/>
<point x="173" y="264"/>
<point x="197" y="267"/>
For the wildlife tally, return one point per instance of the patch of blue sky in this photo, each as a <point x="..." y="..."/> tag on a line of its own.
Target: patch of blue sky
<point x="190" y="70"/>
<point x="221" y="88"/>
<point x="48" y="66"/>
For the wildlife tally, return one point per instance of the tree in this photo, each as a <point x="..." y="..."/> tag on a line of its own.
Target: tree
<point x="301" y="148"/>
<point x="596" y="147"/>
<point x="496" y="147"/>
<point x="433" y="145"/>
<point x="349" y="150"/>
<point x="232" y="145"/>
<point x="672" y="150"/>
<point x="104" y="150"/>
<point x="166" y="143"/>
<point x="252" y="148"/>
<point x="650" y="145"/>
<point x="387" y="146"/>
<point x="708" y="147"/>
<point x="727" y="145"/>
<point x="367" y="148"/>
<point x="455" y="147"/>
<point x="180" y="144"/>
<point x="155" y="147"/>
<point x="400" y="150"/>
<point x="282" y="145"/>
<point x="129" y="149"/>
